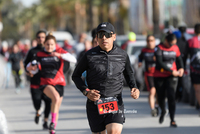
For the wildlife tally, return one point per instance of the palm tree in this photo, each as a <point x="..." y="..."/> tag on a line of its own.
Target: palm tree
<point x="156" y="17"/>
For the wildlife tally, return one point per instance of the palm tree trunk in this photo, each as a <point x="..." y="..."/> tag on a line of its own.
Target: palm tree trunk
<point x="156" y="17"/>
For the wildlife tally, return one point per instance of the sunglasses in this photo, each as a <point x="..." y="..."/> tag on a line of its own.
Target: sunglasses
<point x="101" y="34"/>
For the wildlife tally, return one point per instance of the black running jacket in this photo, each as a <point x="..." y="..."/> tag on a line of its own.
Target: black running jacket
<point x="105" y="71"/>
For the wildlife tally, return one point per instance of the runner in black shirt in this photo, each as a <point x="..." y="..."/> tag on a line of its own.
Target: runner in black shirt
<point x="105" y="65"/>
<point x="165" y="76"/>
<point x="36" y="94"/>
<point x="194" y="52"/>
<point x="182" y="43"/>
<point x="147" y="55"/>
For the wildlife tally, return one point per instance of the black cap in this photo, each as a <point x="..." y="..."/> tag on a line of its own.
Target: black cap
<point x="106" y="26"/>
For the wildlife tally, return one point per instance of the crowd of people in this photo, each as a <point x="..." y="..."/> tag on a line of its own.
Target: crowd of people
<point x="101" y="67"/>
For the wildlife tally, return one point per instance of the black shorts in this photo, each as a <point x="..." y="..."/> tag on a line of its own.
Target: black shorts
<point x="98" y="122"/>
<point x="195" y="78"/>
<point x="149" y="80"/>
<point x="59" y="89"/>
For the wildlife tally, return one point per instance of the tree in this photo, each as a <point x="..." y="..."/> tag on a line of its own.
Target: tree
<point x="9" y="13"/>
<point x="156" y="14"/>
<point x="74" y="15"/>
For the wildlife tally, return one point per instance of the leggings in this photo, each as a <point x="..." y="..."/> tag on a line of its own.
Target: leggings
<point x="166" y="86"/>
<point x="37" y="96"/>
<point x="179" y="89"/>
<point x="17" y="78"/>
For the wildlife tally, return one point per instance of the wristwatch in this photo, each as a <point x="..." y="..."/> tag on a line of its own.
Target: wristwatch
<point x="85" y="92"/>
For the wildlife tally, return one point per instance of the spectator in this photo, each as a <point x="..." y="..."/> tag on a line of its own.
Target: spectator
<point x="34" y="43"/>
<point x="88" y="46"/>
<point x="68" y="47"/>
<point x="20" y="45"/>
<point x="27" y="46"/>
<point x="4" y="51"/>
<point x="80" y="44"/>
<point x="94" y="39"/>
<point x="15" y="59"/>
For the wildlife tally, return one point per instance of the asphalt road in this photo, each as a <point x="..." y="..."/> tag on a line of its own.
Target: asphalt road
<point x="20" y="114"/>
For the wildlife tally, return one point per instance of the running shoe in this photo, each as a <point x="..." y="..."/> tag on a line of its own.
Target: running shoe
<point x="52" y="128"/>
<point x="45" y="126"/>
<point x="173" y="124"/>
<point x="37" y="117"/>
<point x="157" y="110"/>
<point x="161" y="119"/>
<point x="154" y="112"/>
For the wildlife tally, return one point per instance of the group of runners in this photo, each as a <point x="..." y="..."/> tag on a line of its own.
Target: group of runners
<point x="44" y="64"/>
<point x="164" y="67"/>
<point x="104" y="67"/>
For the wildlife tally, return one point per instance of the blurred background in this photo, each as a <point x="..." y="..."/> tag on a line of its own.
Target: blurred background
<point x="71" y="20"/>
<point x="21" y="18"/>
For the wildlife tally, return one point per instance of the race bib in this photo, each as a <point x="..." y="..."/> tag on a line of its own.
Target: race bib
<point x="107" y="105"/>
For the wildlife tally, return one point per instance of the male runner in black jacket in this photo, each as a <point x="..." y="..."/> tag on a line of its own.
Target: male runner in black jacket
<point x="105" y="65"/>
<point x="37" y="95"/>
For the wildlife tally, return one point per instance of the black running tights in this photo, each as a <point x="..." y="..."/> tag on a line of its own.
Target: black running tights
<point x="37" y="96"/>
<point x="166" y="86"/>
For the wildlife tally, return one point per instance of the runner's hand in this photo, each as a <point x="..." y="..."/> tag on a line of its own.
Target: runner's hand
<point x="135" y="93"/>
<point x="181" y="71"/>
<point x="29" y="74"/>
<point x="32" y="68"/>
<point x="56" y="54"/>
<point x="175" y="73"/>
<point x="139" y="64"/>
<point x="93" y="95"/>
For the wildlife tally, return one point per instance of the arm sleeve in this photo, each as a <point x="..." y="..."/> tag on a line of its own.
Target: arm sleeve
<point x="129" y="74"/>
<point x="162" y="64"/>
<point x="178" y="53"/>
<point x="27" y="59"/>
<point x="10" y="57"/>
<point x="21" y="56"/>
<point x="140" y="58"/>
<point x="68" y="57"/>
<point x="76" y="76"/>
<point x="186" y="53"/>
<point x="159" y="59"/>
<point x="180" y="61"/>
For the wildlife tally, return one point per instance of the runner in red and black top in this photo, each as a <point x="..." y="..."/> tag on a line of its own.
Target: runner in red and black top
<point x="36" y="94"/>
<point x="147" y="55"/>
<point x="50" y="64"/>
<point x="165" y="76"/>
<point x="194" y="52"/>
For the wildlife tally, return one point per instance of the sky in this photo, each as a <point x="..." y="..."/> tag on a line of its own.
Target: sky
<point x="27" y="3"/>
